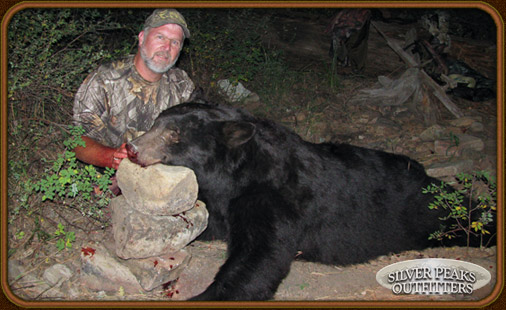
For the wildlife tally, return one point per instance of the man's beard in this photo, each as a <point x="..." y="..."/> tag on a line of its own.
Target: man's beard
<point x="152" y="65"/>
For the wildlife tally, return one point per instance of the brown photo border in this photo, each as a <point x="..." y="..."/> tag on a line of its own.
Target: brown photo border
<point x="493" y="7"/>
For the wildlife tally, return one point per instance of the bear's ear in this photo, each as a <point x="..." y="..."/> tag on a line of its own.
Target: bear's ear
<point x="235" y="133"/>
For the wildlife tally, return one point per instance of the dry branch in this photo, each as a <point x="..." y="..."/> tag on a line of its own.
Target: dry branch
<point x="411" y="62"/>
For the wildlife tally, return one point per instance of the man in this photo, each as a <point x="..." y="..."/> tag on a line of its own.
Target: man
<point x="120" y="101"/>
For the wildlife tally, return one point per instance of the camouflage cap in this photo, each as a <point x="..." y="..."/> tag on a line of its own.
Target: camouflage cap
<point x="161" y="17"/>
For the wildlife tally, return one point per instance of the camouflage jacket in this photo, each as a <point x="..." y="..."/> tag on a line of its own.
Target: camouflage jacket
<point x="115" y="104"/>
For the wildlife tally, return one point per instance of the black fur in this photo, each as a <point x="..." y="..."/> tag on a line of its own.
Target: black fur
<point x="272" y="195"/>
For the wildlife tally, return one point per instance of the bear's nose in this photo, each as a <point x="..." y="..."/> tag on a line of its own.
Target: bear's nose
<point x="132" y="152"/>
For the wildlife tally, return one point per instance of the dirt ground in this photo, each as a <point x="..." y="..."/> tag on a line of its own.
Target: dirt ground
<point x="317" y="282"/>
<point x="306" y="281"/>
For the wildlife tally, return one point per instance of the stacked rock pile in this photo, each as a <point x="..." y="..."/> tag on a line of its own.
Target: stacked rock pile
<point x="154" y="219"/>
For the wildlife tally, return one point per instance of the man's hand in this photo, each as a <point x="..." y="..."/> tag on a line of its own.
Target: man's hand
<point x="118" y="156"/>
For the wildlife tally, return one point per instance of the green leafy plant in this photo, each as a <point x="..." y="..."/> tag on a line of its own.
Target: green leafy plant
<point x="65" y="239"/>
<point x="20" y="235"/>
<point x="87" y="188"/>
<point x="478" y="195"/>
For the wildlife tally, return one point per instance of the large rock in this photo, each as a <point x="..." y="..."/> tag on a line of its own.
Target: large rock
<point x="155" y="271"/>
<point x="138" y="235"/>
<point x="158" y="189"/>
<point x="101" y="270"/>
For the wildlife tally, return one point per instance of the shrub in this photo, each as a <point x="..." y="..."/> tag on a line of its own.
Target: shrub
<point x="478" y="194"/>
<point x="50" y="51"/>
<point x="67" y="178"/>
<point x="69" y="183"/>
<point x="66" y="185"/>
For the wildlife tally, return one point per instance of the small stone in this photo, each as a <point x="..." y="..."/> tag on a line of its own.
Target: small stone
<point x="470" y="142"/>
<point x="462" y="144"/>
<point x="449" y="169"/>
<point x="234" y="92"/>
<point x="477" y="127"/>
<point x="445" y="148"/>
<point x="464" y="121"/>
<point x="15" y="269"/>
<point x="424" y="148"/>
<point x="432" y="133"/>
<point x="56" y="274"/>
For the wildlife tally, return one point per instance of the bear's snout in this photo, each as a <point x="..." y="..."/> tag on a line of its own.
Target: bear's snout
<point x="132" y="152"/>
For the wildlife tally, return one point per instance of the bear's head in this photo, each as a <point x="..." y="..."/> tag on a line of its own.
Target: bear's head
<point x="192" y="135"/>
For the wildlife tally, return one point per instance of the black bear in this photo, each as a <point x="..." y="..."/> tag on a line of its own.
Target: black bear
<point x="272" y="196"/>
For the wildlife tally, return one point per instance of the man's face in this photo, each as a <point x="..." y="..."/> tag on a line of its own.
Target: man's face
<point x="160" y="47"/>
